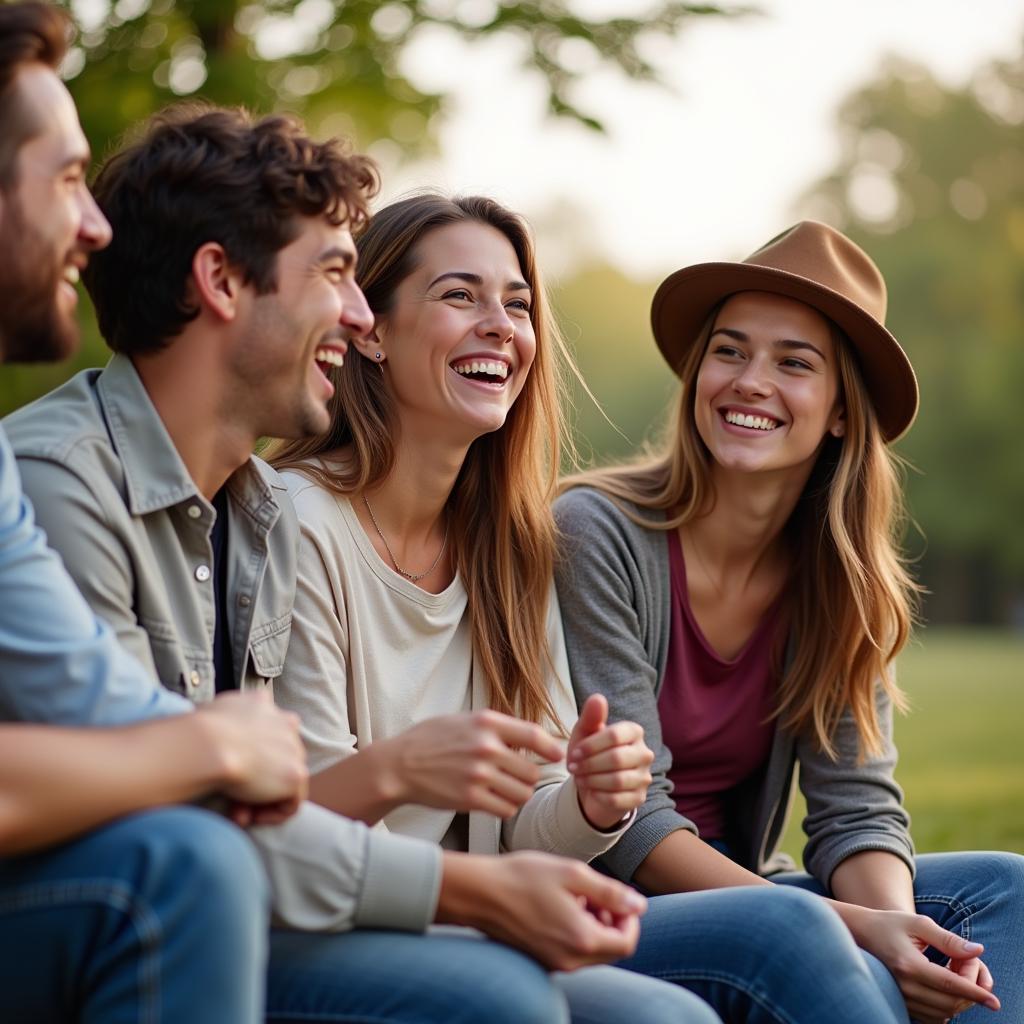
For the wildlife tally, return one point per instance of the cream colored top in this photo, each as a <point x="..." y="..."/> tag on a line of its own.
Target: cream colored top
<point x="372" y="654"/>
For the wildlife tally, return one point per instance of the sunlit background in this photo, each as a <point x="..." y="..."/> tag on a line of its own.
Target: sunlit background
<point x="641" y="136"/>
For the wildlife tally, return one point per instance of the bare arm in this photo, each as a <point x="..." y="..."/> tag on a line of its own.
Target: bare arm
<point x="682" y="862"/>
<point x="362" y="786"/>
<point x="874" y="878"/>
<point x="466" y="761"/>
<point x="56" y="783"/>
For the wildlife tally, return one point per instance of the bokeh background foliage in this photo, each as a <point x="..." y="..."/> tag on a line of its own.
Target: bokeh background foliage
<point x="930" y="179"/>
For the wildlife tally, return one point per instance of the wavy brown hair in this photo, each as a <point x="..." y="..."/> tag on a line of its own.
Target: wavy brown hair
<point x="850" y="600"/>
<point x="198" y="173"/>
<point x="500" y="523"/>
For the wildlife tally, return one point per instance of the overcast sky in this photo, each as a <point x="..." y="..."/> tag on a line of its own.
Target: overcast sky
<point x="711" y="169"/>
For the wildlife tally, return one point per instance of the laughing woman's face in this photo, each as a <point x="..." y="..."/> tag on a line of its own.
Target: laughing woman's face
<point x="458" y="341"/>
<point x="767" y="392"/>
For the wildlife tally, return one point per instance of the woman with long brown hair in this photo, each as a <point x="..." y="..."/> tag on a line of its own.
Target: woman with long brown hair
<point x="427" y="648"/>
<point x="739" y="592"/>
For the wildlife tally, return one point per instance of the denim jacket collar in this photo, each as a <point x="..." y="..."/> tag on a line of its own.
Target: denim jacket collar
<point x="155" y="477"/>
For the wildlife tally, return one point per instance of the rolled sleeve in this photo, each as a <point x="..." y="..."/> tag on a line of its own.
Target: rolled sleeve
<point x="852" y="806"/>
<point x="330" y="874"/>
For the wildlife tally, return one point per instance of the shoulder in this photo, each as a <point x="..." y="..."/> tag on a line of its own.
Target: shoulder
<point x="65" y="426"/>
<point x="62" y="444"/>
<point x="586" y="504"/>
<point x="312" y="501"/>
<point x="321" y="516"/>
<point x="587" y="515"/>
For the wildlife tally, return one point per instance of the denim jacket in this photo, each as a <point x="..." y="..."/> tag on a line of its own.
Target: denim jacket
<point x="115" y="499"/>
<point x="119" y="505"/>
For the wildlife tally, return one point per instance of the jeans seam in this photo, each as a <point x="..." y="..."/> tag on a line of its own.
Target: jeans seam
<point x="344" y="1018"/>
<point x="118" y="897"/>
<point x="675" y="976"/>
<point x="966" y="910"/>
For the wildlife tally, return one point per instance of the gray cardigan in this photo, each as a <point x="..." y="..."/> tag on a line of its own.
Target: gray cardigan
<point x="614" y="589"/>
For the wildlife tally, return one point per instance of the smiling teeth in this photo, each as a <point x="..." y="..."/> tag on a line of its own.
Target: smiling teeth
<point x="494" y="369"/>
<point x="329" y="355"/>
<point x="71" y="275"/>
<point x="746" y="420"/>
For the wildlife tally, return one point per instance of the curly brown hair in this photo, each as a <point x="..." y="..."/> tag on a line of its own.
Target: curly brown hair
<point x="202" y="174"/>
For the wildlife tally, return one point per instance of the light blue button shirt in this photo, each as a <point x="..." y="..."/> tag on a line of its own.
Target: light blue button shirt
<point x="59" y="663"/>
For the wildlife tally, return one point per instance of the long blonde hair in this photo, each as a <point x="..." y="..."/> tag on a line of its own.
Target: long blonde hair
<point x="499" y="518"/>
<point x="851" y="601"/>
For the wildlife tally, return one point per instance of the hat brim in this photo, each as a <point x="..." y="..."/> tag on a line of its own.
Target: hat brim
<point x="686" y="298"/>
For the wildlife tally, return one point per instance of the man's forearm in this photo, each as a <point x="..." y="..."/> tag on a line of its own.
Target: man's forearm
<point x="56" y="783"/>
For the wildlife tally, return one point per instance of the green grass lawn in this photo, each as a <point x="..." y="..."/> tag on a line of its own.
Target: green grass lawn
<point x="961" y="745"/>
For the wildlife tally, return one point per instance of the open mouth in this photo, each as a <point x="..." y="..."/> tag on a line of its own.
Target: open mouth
<point x="69" y="278"/>
<point x="326" y="357"/>
<point x="750" y="421"/>
<point x="483" y="371"/>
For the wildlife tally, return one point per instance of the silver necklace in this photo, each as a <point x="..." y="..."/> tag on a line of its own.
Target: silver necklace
<point x="412" y="576"/>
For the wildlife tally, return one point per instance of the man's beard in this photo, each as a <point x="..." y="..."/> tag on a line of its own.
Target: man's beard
<point x="33" y="327"/>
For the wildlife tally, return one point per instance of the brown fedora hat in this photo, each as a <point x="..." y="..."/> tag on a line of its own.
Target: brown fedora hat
<point x="815" y="264"/>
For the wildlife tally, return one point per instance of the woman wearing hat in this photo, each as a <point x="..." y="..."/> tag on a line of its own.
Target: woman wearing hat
<point x="739" y="593"/>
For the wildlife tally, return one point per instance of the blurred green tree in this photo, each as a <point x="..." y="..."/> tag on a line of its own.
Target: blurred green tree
<point x="931" y="182"/>
<point x="338" y="62"/>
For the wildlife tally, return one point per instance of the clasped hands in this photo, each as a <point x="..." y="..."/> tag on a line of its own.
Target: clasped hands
<point x="933" y="993"/>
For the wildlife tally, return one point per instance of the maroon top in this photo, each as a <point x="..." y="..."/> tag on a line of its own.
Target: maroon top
<point x="714" y="713"/>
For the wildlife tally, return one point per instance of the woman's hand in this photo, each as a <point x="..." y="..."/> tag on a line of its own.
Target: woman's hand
<point x="973" y="969"/>
<point x="610" y="764"/>
<point x="466" y="762"/>
<point x="933" y="994"/>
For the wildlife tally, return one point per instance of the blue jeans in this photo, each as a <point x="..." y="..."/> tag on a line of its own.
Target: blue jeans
<point x="979" y="896"/>
<point x="388" y="977"/>
<point x="159" y="917"/>
<point x="764" y="955"/>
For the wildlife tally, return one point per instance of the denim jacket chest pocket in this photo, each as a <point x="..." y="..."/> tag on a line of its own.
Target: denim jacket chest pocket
<point x="267" y="651"/>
